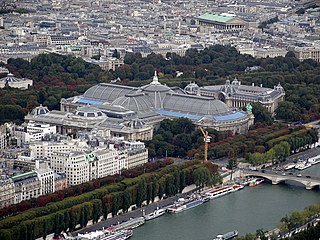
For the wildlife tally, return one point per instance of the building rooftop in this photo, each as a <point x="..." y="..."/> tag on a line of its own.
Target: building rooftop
<point x="215" y="18"/>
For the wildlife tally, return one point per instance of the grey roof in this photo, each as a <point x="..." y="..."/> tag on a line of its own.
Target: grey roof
<point x="39" y="110"/>
<point x="253" y="89"/>
<point x="10" y="78"/>
<point x="155" y="88"/>
<point x="108" y="92"/>
<point x="114" y="108"/>
<point x="178" y="90"/>
<point x="194" y="104"/>
<point x="136" y="102"/>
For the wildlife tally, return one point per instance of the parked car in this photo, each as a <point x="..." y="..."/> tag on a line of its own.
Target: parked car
<point x="299" y="175"/>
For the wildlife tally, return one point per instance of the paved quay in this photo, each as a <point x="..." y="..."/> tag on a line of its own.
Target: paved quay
<point x="135" y="213"/>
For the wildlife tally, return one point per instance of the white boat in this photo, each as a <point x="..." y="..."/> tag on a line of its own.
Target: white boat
<point x="130" y="224"/>
<point x="105" y="235"/>
<point x="226" y="236"/>
<point x="289" y="166"/>
<point x="314" y="160"/>
<point x="256" y="182"/>
<point x="156" y="213"/>
<point x="237" y="187"/>
<point x="302" y="165"/>
<point x="180" y="207"/>
<point x="218" y="192"/>
<point x="246" y="181"/>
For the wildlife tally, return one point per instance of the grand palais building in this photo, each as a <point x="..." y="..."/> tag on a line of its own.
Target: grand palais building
<point x="134" y="112"/>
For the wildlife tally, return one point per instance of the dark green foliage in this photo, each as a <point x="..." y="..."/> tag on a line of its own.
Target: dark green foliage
<point x="141" y="192"/>
<point x="270" y="21"/>
<point x="261" y="114"/>
<point x="54" y="77"/>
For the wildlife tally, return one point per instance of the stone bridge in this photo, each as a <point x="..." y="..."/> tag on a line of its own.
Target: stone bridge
<point x="278" y="177"/>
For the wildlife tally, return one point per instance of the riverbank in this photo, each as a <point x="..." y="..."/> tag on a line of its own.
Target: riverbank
<point x="244" y="206"/>
<point x="246" y="210"/>
<point x="135" y="213"/>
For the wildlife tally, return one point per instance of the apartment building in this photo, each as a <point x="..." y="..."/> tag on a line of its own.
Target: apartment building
<point x="26" y="186"/>
<point x="6" y="192"/>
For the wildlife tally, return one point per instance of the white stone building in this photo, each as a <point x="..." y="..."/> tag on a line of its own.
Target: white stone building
<point x="236" y="95"/>
<point x="32" y="132"/>
<point x="27" y="186"/>
<point x="3" y="137"/>
<point x="6" y="192"/>
<point x="46" y="178"/>
<point x="303" y="53"/>
<point x="137" y="154"/>
<point x="105" y="163"/>
<point x="45" y="149"/>
<point x="74" y="164"/>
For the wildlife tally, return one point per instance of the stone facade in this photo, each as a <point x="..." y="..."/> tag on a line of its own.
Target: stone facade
<point x="6" y="192"/>
<point x="236" y="95"/>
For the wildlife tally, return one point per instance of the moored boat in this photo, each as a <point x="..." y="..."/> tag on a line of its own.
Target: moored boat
<point x="246" y="181"/>
<point x="156" y="213"/>
<point x="314" y="160"/>
<point x="130" y="224"/>
<point x="182" y="206"/>
<point x="105" y="235"/>
<point x="256" y="182"/>
<point x="302" y="165"/>
<point x="237" y="187"/>
<point x="226" y="236"/>
<point x="218" y="192"/>
<point x="289" y="166"/>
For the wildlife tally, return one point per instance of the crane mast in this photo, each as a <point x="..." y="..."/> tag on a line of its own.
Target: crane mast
<point x="206" y="140"/>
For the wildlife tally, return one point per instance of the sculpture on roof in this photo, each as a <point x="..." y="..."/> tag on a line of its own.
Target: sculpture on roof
<point x="155" y="78"/>
<point x="249" y="108"/>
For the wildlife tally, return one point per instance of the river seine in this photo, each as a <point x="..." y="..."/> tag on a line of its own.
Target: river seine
<point x="247" y="210"/>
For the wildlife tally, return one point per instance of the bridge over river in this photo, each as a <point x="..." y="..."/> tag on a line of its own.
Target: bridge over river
<point x="277" y="177"/>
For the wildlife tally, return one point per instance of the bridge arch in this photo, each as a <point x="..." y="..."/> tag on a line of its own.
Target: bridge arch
<point x="309" y="183"/>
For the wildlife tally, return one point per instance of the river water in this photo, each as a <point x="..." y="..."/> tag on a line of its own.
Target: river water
<point x="247" y="210"/>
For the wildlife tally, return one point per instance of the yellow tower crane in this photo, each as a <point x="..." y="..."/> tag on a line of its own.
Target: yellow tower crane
<point x="206" y="140"/>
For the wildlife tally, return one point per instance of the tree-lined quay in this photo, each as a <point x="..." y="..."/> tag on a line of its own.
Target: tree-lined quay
<point x="110" y="199"/>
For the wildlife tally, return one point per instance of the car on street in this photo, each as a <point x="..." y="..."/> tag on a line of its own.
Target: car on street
<point x="299" y="175"/>
<point x="283" y="174"/>
<point x="308" y="177"/>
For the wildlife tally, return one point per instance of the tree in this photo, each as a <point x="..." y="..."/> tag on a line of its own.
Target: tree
<point x="282" y="151"/>
<point x="232" y="164"/>
<point x="96" y="212"/>
<point x="116" y="54"/>
<point x="201" y="176"/>
<point x="261" y="234"/>
<point x="141" y="192"/>
<point x="261" y="114"/>
<point x="286" y="111"/>
<point x="126" y="200"/>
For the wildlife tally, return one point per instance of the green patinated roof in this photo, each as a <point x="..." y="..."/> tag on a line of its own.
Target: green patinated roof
<point x="214" y="17"/>
<point x="23" y="175"/>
